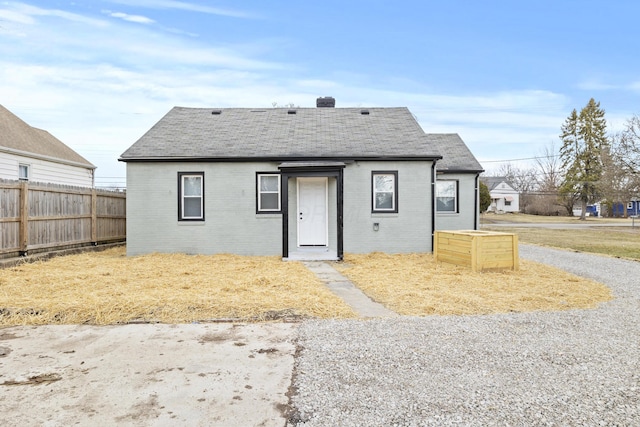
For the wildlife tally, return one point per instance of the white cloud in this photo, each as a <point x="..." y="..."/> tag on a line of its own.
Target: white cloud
<point x="186" y="6"/>
<point x="16" y="17"/>
<point x="33" y="11"/>
<point x="130" y="18"/>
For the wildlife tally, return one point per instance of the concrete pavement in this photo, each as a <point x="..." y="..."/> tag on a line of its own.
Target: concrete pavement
<point x="342" y="287"/>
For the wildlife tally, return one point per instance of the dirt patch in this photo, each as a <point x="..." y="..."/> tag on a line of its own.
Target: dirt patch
<point x="35" y="380"/>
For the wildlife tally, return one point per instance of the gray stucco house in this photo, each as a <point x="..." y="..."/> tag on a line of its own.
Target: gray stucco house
<point x="303" y="183"/>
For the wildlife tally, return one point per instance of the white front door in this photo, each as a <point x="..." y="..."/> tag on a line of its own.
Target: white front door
<point x="312" y="211"/>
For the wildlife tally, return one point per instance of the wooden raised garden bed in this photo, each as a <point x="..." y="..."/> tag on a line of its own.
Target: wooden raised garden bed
<point x="479" y="250"/>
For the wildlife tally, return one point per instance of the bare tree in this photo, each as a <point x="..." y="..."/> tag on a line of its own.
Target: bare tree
<point x="549" y="170"/>
<point x="627" y="145"/>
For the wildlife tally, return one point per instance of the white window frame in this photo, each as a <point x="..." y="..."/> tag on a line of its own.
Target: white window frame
<point x="455" y="195"/>
<point x="181" y="196"/>
<point x="260" y="192"/>
<point x="375" y="192"/>
<point x="26" y="168"/>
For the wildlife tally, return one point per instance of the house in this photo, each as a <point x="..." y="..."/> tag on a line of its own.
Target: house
<point x="31" y="154"/>
<point x="632" y="209"/>
<point x="504" y="198"/>
<point x="304" y="183"/>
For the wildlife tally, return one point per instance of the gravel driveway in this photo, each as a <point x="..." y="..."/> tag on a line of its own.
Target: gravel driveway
<point x="575" y="368"/>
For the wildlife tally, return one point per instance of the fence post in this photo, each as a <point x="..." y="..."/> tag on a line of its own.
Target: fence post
<point x="24" y="218"/>
<point x="94" y="217"/>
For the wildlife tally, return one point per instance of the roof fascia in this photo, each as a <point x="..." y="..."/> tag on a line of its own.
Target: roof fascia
<point x="46" y="158"/>
<point x="280" y="159"/>
<point x="445" y="171"/>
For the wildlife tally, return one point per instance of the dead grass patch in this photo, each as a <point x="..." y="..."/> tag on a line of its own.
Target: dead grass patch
<point x="414" y="284"/>
<point x="108" y="287"/>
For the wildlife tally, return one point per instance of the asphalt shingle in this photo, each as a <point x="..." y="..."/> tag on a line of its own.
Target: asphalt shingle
<point x="300" y="133"/>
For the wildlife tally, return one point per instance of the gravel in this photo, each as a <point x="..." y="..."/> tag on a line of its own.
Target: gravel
<point x="573" y="368"/>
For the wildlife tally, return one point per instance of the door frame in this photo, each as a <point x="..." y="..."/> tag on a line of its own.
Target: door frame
<point x="325" y="231"/>
<point x="312" y="169"/>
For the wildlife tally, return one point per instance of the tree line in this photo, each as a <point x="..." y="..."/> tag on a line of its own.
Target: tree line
<point x="590" y="166"/>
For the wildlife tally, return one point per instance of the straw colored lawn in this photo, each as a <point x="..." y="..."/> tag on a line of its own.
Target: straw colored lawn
<point x="415" y="285"/>
<point x="108" y="287"/>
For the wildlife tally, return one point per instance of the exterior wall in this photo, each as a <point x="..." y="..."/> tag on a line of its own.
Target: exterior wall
<point x="231" y="224"/>
<point x="409" y="230"/>
<point x="45" y="171"/>
<point x="467" y="217"/>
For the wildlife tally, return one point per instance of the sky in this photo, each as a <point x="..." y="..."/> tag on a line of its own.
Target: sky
<point x="502" y="74"/>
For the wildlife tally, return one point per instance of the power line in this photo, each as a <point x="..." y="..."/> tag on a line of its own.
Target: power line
<point x="524" y="158"/>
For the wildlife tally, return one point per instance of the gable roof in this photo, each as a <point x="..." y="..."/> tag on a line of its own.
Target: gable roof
<point x="493" y="181"/>
<point x="456" y="155"/>
<point x="283" y="134"/>
<point x="17" y="137"/>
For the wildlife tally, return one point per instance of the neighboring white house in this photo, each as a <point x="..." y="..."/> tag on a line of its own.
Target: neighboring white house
<point x="504" y="198"/>
<point x="306" y="183"/>
<point x="31" y="154"/>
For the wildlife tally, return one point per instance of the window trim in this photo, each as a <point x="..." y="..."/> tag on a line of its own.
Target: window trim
<point x="394" y="199"/>
<point x="259" y="209"/>
<point x="28" y="170"/>
<point x="456" y="197"/>
<point x="181" y="176"/>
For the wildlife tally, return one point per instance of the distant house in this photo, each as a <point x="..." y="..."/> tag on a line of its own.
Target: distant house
<point x="303" y="183"/>
<point x="632" y="209"/>
<point x="31" y="154"/>
<point x="504" y="198"/>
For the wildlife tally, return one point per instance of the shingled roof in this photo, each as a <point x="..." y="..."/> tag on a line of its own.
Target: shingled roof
<point x="456" y="155"/>
<point x="18" y="137"/>
<point x="283" y="134"/>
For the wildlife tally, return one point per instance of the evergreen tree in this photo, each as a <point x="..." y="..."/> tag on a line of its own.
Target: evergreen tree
<point x="583" y="141"/>
<point x="485" y="197"/>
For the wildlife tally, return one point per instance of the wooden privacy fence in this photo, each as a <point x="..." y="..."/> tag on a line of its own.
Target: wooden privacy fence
<point x="37" y="217"/>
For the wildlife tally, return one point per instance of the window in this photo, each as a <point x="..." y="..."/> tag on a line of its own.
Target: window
<point x="191" y="196"/>
<point x="447" y="196"/>
<point x="23" y="172"/>
<point x="384" y="195"/>
<point x="268" y="192"/>
<point x="507" y="202"/>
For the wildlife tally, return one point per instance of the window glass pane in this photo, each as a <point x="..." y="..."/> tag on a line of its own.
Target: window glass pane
<point x="192" y="207"/>
<point x="269" y="201"/>
<point x="23" y="171"/>
<point x="446" y="189"/>
<point x="269" y="182"/>
<point x="384" y="201"/>
<point x="383" y="182"/>
<point x="192" y="185"/>
<point x="446" y="204"/>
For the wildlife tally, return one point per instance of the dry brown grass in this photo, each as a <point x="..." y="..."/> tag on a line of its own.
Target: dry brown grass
<point x="415" y="285"/>
<point x="108" y="287"/>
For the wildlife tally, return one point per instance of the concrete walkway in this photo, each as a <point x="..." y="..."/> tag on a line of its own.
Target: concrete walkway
<point x="342" y="287"/>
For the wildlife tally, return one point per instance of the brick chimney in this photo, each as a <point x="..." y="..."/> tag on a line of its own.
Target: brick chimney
<point x="326" y="102"/>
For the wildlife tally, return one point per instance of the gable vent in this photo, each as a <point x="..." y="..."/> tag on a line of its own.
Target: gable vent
<point x="291" y="112"/>
<point x="364" y="112"/>
<point x="216" y="112"/>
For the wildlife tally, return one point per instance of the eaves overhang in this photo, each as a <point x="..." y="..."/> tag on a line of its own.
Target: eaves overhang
<point x="278" y="159"/>
<point x="31" y="155"/>
<point x="445" y="171"/>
